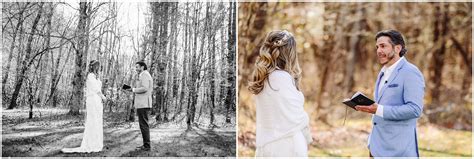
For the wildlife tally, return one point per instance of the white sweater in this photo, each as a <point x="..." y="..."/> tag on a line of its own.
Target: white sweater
<point x="280" y="111"/>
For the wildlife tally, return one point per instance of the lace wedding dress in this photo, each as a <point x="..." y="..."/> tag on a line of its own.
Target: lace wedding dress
<point x="93" y="137"/>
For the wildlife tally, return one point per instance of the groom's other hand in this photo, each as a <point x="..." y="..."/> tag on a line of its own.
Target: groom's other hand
<point x="103" y="98"/>
<point x="368" y="109"/>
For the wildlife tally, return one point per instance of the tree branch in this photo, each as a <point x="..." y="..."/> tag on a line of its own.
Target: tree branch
<point x="463" y="53"/>
<point x="108" y="18"/>
<point x="43" y="51"/>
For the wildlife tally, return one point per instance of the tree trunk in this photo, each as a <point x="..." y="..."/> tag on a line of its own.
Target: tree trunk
<point x="171" y="60"/>
<point x="354" y="48"/>
<point x="154" y="44"/>
<point x="212" y="72"/>
<point x="437" y="62"/>
<point x="182" y="94"/>
<point x="43" y="90"/>
<point x="57" y="75"/>
<point x="80" y="62"/>
<point x="325" y="60"/>
<point x="192" y="81"/>
<point x="223" y="65"/>
<point x="230" y="100"/>
<point x="175" y="61"/>
<point x="160" y="60"/>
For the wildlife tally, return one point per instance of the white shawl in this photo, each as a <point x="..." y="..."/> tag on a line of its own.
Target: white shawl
<point x="280" y="110"/>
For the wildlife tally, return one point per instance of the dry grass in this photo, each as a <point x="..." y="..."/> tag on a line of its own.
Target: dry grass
<point x="350" y="140"/>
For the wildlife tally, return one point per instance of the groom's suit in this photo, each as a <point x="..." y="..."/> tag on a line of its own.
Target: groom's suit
<point x="394" y="134"/>
<point x="143" y="90"/>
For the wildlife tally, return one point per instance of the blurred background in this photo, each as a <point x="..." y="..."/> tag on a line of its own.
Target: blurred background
<point x="336" y="46"/>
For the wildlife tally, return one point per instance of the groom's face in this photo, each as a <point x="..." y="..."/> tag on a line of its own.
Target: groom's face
<point x="385" y="50"/>
<point x="138" y="68"/>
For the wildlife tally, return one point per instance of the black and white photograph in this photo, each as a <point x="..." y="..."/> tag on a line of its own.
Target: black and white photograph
<point x="118" y="79"/>
<point x="236" y="78"/>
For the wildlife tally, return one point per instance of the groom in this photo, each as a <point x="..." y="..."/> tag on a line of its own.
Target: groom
<point x="399" y="92"/>
<point x="142" y="102"/>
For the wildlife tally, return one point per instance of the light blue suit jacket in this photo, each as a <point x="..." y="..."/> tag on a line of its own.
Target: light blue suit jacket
<point x="394" y="135"/>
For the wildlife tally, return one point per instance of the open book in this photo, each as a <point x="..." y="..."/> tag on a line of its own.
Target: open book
<point x="126" y="86"/>
<point x="358" y="99"/>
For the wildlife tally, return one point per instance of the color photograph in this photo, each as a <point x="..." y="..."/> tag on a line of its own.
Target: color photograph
<point x="355" y="79"/>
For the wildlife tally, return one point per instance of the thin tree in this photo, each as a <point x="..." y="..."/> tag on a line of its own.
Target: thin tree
<point x="28" y="61"/>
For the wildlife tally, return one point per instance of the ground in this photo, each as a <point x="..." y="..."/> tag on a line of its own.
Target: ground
<point x="350" y="140"/>
<point x="52" y="129"/>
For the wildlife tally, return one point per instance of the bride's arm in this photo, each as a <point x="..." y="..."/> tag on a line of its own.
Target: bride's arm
<point x="287" y="93"/>
<point x="100" y="94"/>
<point x="92" y="88"/>
<point x="99" y="91"/>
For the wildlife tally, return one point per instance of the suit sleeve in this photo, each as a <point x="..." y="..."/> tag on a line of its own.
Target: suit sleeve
<point x="413" y="93"/>
<point x="143" y="85"/>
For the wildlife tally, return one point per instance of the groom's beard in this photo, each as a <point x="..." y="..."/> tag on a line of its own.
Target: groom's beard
<point x="390" y="57"/>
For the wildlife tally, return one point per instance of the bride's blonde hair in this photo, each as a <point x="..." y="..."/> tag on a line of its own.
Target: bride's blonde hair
<point x="277" y="52"/>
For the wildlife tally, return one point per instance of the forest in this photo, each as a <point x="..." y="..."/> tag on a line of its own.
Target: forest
<point x="190" y="50"/>
<point x="337" y="55"/>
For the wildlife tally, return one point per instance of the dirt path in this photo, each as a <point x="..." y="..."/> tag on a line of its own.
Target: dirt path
<point x="47" y="135"/>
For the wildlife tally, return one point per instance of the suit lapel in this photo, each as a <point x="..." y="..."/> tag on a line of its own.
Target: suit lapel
<point x="376" y="92"/>
<point x="392" y="77"/>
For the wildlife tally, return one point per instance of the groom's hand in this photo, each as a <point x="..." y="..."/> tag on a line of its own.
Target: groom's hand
<point x="104" y="98"/>
<point x="368" y="109"/>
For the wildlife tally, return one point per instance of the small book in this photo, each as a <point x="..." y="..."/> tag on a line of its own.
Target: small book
<point x="126" y="86"/>
<point x="358" y="99"/>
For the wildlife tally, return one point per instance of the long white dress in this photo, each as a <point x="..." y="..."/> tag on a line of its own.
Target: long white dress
<point x="282" y="124"/>
<point x="93" y="137"/>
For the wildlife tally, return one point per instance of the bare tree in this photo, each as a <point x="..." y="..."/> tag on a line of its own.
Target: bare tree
<point x="230" y="97"/>
<point x="80" y="62"/>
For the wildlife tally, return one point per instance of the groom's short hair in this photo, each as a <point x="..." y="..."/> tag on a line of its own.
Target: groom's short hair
<point x="396" y="38"/>
<point x="141" y="63"/>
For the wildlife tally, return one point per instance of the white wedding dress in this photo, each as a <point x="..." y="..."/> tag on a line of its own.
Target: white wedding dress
<point x="93" y="137"/>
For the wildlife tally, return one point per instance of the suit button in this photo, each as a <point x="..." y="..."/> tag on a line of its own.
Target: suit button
<point x="375" y="123"/>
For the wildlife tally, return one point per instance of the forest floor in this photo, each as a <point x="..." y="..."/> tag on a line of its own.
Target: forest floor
<point x="52" y="129"/>
<point x="350" y="140"/>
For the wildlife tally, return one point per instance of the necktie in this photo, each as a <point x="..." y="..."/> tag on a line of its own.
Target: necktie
<point x="380" y="77"/>
<point x="380" y="80"/>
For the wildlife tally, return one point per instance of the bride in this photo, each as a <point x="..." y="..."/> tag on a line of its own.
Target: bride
<point x="282" y="124"/>
<point x="93" y="137"/>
